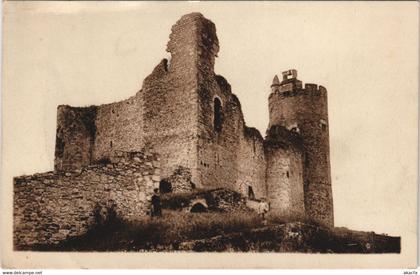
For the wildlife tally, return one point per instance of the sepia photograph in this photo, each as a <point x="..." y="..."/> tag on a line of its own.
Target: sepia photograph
<point x="210" y="134"/>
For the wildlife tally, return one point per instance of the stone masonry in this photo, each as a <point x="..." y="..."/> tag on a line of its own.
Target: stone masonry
<point x="188" y="115"/>
<point x="52" y="206"/>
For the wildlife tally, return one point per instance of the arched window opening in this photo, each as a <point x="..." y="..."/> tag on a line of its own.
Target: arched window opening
<point x="251" y="194"/>
<point x="217" y="123"/>
<point x="165" y="187"/>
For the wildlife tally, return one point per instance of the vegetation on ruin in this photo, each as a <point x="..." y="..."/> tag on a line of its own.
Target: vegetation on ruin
<point x="158" y="233"/>
<point x="178" y="230"/>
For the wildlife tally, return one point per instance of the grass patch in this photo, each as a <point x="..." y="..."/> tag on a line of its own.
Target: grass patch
<point x="273" y="218"/>
<point x="232" y="231"/>
<point x="157" y="234"/>
<point x="238" y="230"/>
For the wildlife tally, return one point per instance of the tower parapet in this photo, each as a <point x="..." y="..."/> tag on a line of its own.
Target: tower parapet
<point x="305" y="110"/>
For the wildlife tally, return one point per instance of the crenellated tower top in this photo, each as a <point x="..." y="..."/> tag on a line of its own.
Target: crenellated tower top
<point x="304" y="112"/>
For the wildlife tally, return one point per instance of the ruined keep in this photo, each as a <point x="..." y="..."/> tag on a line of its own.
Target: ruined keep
<point x="189" y="117"/>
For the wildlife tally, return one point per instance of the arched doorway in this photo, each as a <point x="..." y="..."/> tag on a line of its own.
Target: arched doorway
<point x="165" y="187"/>
<point x="198" y="208"/>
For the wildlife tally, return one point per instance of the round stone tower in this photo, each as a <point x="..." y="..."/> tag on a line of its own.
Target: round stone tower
<point x="305" y="111"/>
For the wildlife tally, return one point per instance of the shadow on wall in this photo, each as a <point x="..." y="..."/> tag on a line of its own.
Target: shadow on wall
<point x="106" y="216"/>
<point x="165" y="187"/>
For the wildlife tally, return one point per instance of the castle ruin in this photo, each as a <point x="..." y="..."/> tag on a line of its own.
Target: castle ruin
<point x="188" y="117"/>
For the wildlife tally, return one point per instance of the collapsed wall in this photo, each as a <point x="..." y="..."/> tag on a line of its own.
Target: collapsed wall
<point x="175" y="113"/>
<point x="49" y="207"/>
<point x="170" y="96"/>
<point x="230" y="155"/>
<point x="88" y="134"/>
<point x="75" y="137"/>
<point x="191" y="118"/>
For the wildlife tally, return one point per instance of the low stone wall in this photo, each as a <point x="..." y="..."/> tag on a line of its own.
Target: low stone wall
<point x="52" y="206"/>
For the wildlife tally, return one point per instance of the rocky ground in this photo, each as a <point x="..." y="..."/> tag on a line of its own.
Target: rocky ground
<point x="296" y="237"/>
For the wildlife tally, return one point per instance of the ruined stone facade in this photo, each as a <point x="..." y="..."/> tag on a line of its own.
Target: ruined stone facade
<point x="190" y="118"/>
<point x="49" y="207"/>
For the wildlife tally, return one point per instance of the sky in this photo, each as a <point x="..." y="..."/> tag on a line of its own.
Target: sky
<point x="364" y="53"/>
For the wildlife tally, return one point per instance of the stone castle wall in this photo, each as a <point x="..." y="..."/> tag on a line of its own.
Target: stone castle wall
<point x="218" y="149"/>
<point x="307" y="110"/>
<point x="52" y="206"/>
<point x="233" y="156"/>
<point x="229" y="154"/>
<point x="170" y="96"/>
<point x="284" y="152"/>
<point x="113" y="122"/>
<point x="86" y="135"/>
<point x="75" y="137"/>
<point x="170" y="101"/>
<point x="252" y="164"/>
<point x="175" y="113"/>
